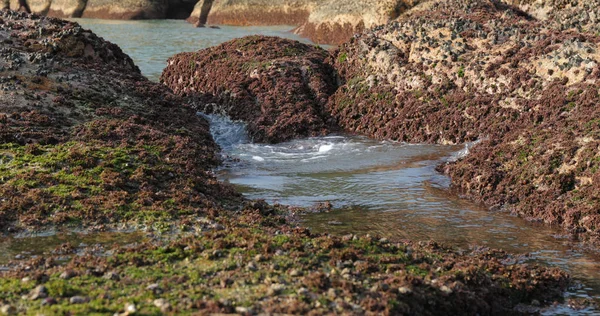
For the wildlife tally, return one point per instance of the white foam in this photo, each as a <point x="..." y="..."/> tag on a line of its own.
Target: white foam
<point x="325" y="148"/>
<point x="258" y="158"/>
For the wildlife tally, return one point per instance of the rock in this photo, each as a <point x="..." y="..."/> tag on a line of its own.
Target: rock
<point x="278" y="86"/>
<point x="38" y="292"/>
<point x="162" y="304"/>
<point x="295" y="273"/>
<point x="336" y="21"/>
<point x="78" y="300"/>
<point x="404" y="290"/>
<point x="130" y="308"/>
<point x="67" y="8"/>
<point x="444" y="73"/>
<point x="126" y="9"/>
<point x="89" y="86"/>
<point x="252" y="12"/>
<point x="49" y="301"/>
<point x="155" y="289"/>
<point x="446" y="289"/>
<point x="275" y="289"/>
<point x="111" y="275"/>
<point x="8" y="310"/>
<point x="68" y="274"/>
<point x="251" y="266"/>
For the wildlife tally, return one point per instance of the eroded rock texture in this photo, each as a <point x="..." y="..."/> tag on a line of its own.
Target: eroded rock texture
<point x="278" y="86"/>
<point x="460" y="70"/>
<point x="86" y="140"/>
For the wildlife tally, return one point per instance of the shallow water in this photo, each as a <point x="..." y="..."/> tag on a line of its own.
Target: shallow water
<point x="387" y="189"/>
<point x="382" y="188"/>
<point x="150" y="43"/>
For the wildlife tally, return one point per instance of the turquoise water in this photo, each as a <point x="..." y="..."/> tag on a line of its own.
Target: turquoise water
<point x="151" y="43"/>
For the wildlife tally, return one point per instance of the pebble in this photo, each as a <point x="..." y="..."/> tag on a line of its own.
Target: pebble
<point x="49" y="301"/>
<point x="155" y="288"/>
<point x="446" y="289"/>
<point x="111" y="275"/>
<point x="275" y="289"/>
<point x="130" y="308"/>
<point x="39" y="292"/>
<point x="78" y="300"/>
<point x="295" y="273"/>
<point x="162" y="304"/>
<point x="8" y="310"/>
<point x="251" y="266"/>
<point x="404" y="290"/>
<point x="68" y="274"/>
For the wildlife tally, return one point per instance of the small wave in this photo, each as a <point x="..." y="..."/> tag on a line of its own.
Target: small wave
<point x="325" y="148"/>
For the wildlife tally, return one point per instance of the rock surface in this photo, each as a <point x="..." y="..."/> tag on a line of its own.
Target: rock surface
<point x="278" y="86"/>
<point x="107" y="9"/>
<point x="583" y="16"/>
<point x="252" y="12"/>
<point x="87" y="140"/>
<point x="336" y="21"/>
<point x="460" y="70"/>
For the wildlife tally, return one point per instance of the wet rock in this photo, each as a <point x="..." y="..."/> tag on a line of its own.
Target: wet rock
<point x="454" y="71"/>
<point x="278" y="86"/>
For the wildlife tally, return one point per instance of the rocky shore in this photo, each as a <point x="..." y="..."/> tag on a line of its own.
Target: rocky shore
<point x="326" y="22"/>
<point x="280" y="87"/>
<point x="88" y="142"/>
<point x="458" y="71"/>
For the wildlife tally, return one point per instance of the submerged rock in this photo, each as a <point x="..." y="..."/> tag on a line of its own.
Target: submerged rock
<point x="278" y="86"/>
<point x="460" y="70"/>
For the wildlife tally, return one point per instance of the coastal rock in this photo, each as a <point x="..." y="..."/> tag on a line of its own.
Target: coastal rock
<point x="278" y="86"/>
<point x="252" y="12"/>
<point x="460" y="70"/>
<point x="86" y="139"/>
<point x="125" y="9"/>
<point x="336" y="21"/>
<point x="136" y="9"/>
<point x="67" y="8"/>
<point x="583" y="16"/>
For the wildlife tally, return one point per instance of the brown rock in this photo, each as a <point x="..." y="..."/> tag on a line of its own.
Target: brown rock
<point x="459" y="70"/>
<point x="67" y="8"/>
<point x="336" y="21"/>
<point x="252" y="12"/>
<point x="278" y="86"/>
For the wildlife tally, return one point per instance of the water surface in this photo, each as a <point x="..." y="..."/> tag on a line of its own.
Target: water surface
<point x="151" y="42"/>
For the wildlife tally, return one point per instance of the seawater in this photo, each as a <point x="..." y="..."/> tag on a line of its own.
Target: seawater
<point x="382" y="188"/>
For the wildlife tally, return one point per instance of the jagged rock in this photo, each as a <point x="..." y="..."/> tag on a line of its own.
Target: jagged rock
<point x="459" y="70"/>
<point x="67" y="8"/>
<point x="278" y="86"/>
<point x="336" y="21"/>
<point x="252" y="12"/>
